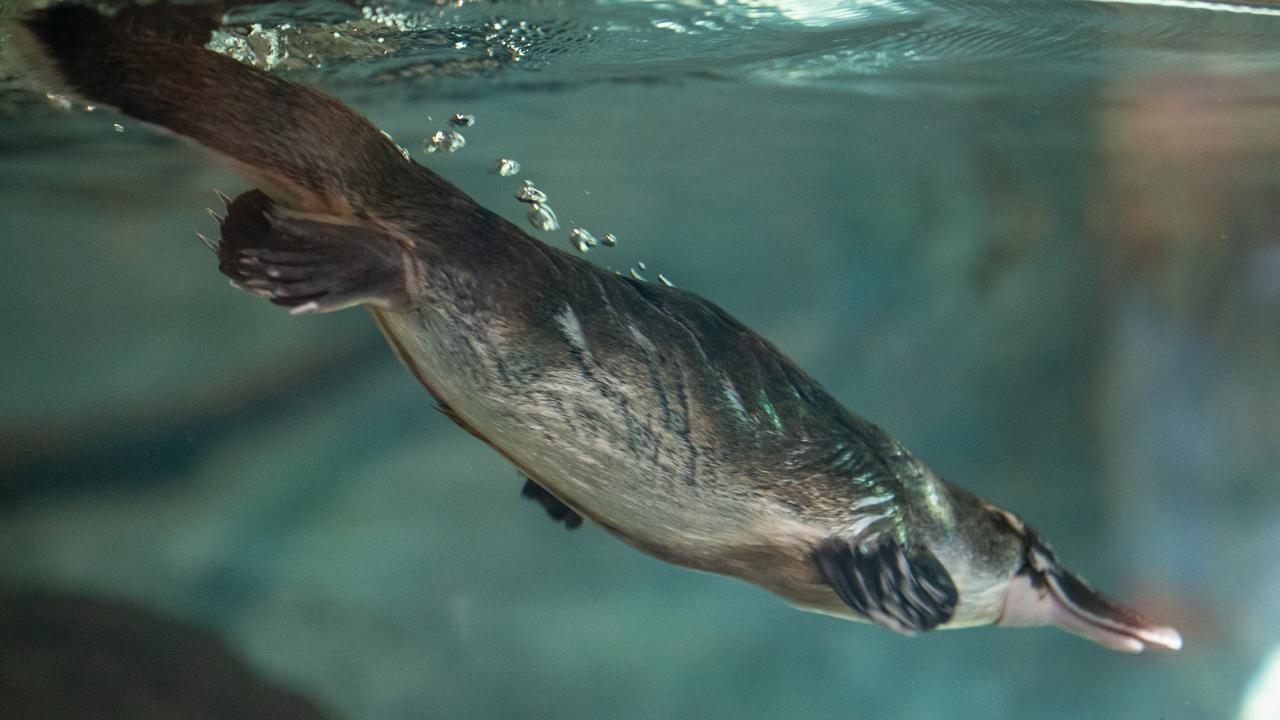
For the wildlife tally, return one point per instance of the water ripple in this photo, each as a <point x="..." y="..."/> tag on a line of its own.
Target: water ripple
<point x="903" y="46"/>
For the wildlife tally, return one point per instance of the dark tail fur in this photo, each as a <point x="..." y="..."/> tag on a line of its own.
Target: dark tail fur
<point x="307" y="150"/>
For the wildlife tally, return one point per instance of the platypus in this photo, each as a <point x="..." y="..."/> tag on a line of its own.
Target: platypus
<point x="642" y="407"/>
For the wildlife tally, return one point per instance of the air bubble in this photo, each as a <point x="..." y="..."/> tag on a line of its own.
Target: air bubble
<point x="530" y="194"/>
<point x="609" y="240"/>
<point x="404" y="152"/>
<point x="446" y="140"/>
<point x="582" y="240"/>
<point x="59" y="102"/>
<point x="542" y="217"/>
<point x="253" y="44"/>
<point x="506" y="167"/>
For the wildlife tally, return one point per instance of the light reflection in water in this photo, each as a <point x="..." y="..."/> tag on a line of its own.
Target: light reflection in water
<point x="1262" y="698"/>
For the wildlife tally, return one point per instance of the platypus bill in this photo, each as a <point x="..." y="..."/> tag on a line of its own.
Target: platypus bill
<point x="641" y="407"/>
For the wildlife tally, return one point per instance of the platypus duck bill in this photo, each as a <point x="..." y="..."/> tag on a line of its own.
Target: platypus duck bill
<point x="1053" y="596"/>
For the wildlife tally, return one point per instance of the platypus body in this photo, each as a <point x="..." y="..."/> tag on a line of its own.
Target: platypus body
<point x="641" y="407"/>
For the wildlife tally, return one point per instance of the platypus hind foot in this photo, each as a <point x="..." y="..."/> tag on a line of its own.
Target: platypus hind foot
<point x="558" y="511"/>
<point x="310" y="262"/>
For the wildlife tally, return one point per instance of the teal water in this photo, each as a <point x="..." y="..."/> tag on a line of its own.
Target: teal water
<point x="1037" y="241"/>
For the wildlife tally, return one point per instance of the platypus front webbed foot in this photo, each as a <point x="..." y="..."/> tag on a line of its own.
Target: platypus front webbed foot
<point x="310" y="262"/>
<point x="903" y="589"/>
<point x="1045" y="593"/>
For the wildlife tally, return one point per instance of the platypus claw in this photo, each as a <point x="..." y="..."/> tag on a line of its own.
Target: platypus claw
<point x="204" y="239"/>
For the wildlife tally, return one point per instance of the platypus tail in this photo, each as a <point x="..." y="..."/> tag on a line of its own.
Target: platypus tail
<point x="306" y="150"/>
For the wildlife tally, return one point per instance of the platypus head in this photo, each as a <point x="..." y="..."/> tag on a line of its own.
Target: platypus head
<point x="1042" y="592"/>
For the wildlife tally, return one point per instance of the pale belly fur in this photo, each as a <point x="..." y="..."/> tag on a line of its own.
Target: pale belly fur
<point x="594" y="471"/>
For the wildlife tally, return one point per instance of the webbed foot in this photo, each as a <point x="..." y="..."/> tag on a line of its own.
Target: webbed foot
<point x="903" y="590"/>
<point x="309" y="262"/>
<point x="553" y="505"/>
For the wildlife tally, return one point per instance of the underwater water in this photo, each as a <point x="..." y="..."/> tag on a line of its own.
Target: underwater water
<point x="1038" y="242"/>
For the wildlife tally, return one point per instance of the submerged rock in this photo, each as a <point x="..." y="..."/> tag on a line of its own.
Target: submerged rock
<point x="73" y="657"/>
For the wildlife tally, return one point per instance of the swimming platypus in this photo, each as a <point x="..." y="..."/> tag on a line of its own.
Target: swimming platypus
<point x="644" y="408"/>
